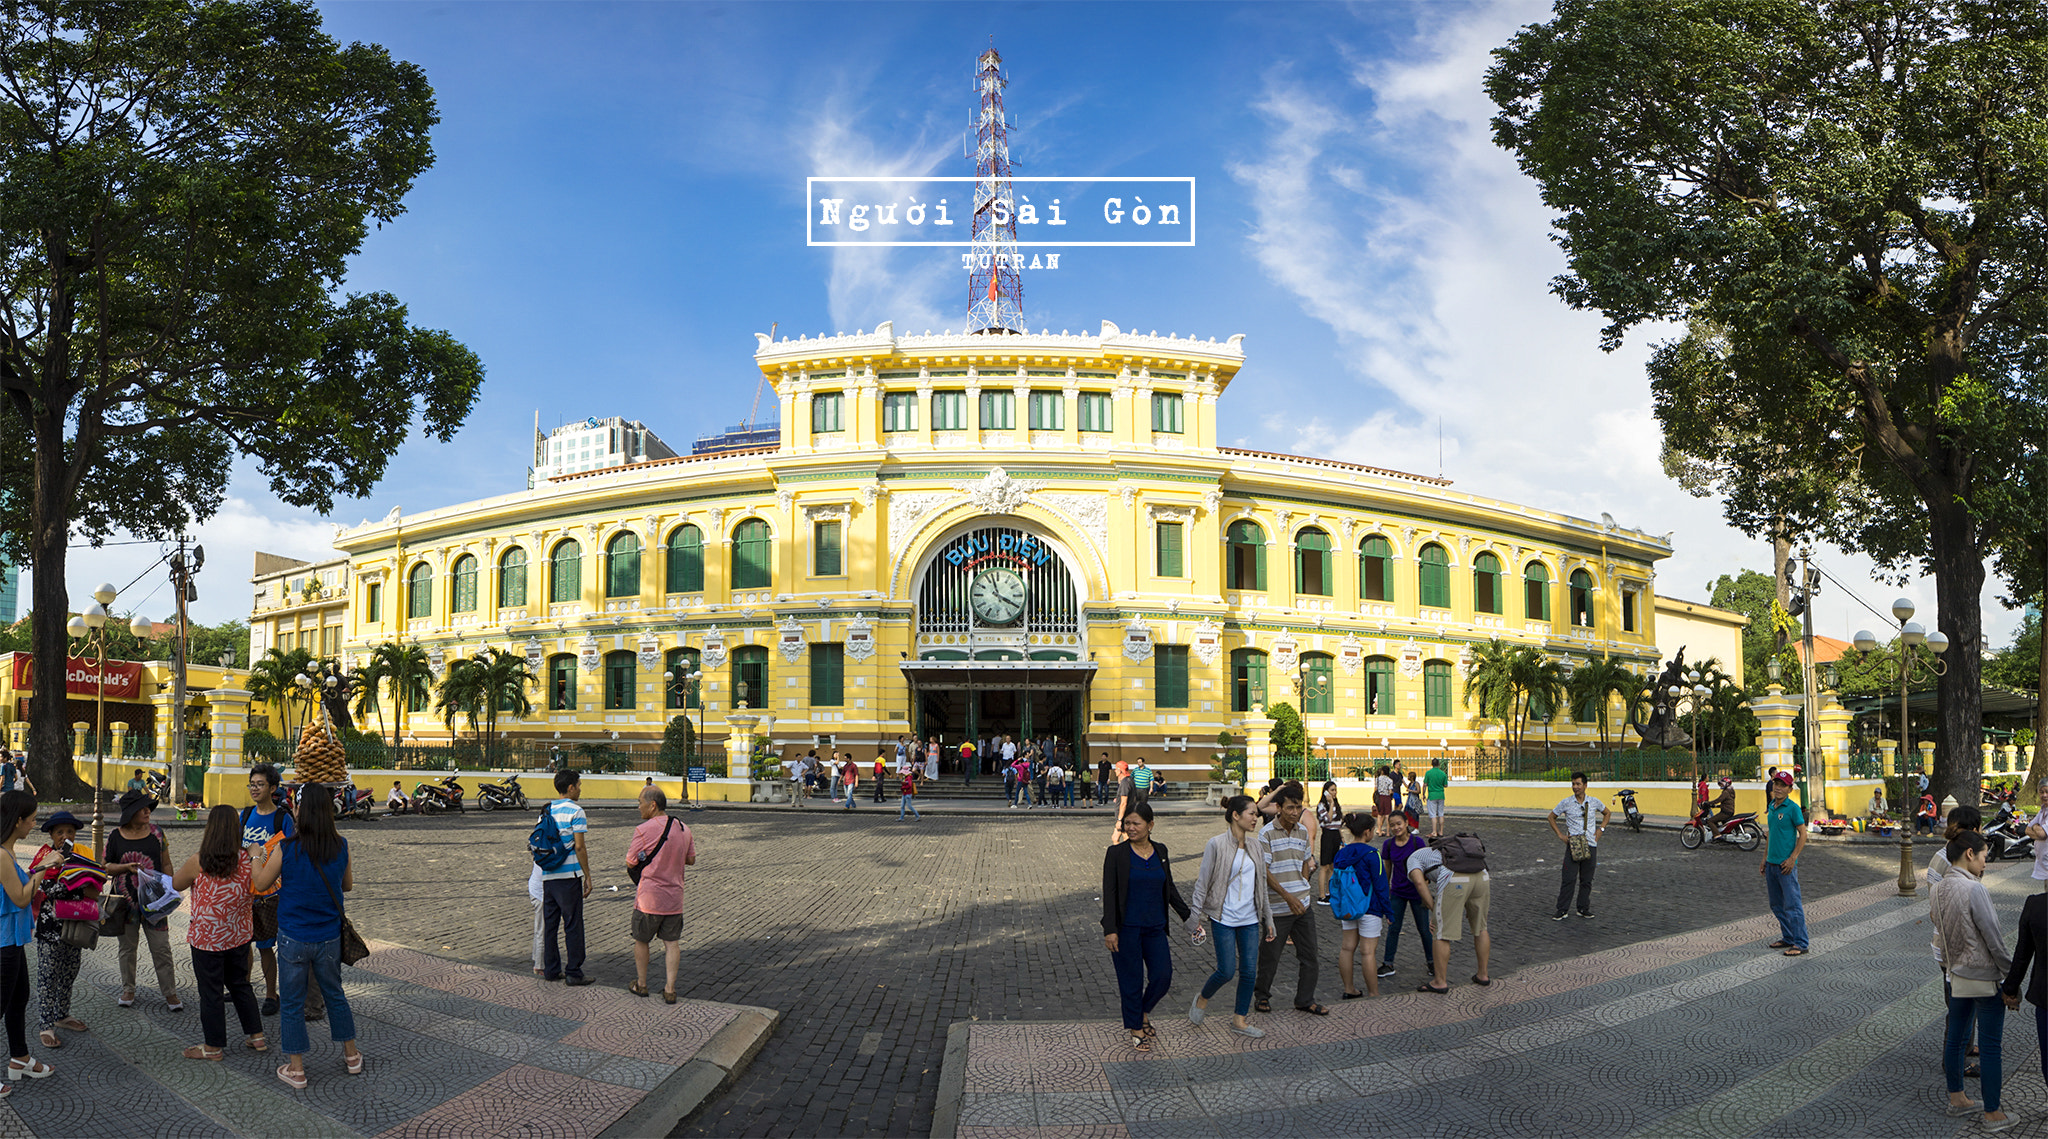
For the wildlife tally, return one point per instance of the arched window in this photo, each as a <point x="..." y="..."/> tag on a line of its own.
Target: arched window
<point x="1436" y="688"/>
<point x="419" y="591"/>
<point x="512" y="578"/>
<point x="750" y="676"/>
<point x="1379" y="686"/>
<point x="621" y="679"/>
<point x="1244" y="557"/>
<point x="566" y="582"/>
<point x="1319" y="686"/>
<point x="750" y="565"/>
<point x="1433" y="577"/>
<point x="622" y="565"/>
<point x="1376" y="569"/>
<point x="462" y="597"/>
<point x="1486" y="593"/>
<point x="562" y="682"/>
<point x="1247" y="679"/>
<point x="686" y="559"/>
<point x="1312" y="562"/>
<point x="1536" y="592"/>
<point x="679" y="664"/>
<point x="1582" y="599"/>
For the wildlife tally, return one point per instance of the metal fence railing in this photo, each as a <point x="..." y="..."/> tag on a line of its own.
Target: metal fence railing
<point x="1629" y="765"/>
<point x="515" y="755"/>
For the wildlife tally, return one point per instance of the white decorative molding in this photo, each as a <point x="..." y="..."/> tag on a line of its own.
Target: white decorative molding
<point x="533" y="655"/>
<point x="1138" y="640"/>
<point x="1286" y="653"/>
<point x="1129" y="492"/>
<point x="1162" y="512"/>
<point x="997" y="493"/>
<point x="908" y="512"/>
<point x="1088" y="512"/>
<point x="1350" y="653"/>
<point x="1211" y="499"/>
<point x="860" y="638"/>
<point x="870" y="491"/>
<point x="437" y="661"/>
<point x="587" y="654"/>
<point x="828" y="512"/>
<point x="1284" y="520"/>
<point x="1207" y="641"/>
<point x="650" y="652"/>
<point x="789" y="639"/>
<point x="784" y="497"/>
<point x="714" y="648"/>
<point x="1411" y="659"/>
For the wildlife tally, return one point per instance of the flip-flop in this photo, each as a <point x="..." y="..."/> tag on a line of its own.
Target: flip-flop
<point x="1779" y="945"/>
<point x="1795" y="952"/>
<point x="1352" y="996"/>
<point x="1477" y="981"/>
<point x="1434" y="989"/>
<point x="637" y="989"/>
<point x="256" y="1043"/>
<point x="49" y="1038"/>
<point x="201" y="1052"/>
<point x="1312" y="1010"/>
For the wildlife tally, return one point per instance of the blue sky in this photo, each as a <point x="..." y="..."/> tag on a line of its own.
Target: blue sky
<point x="617" y="206"/>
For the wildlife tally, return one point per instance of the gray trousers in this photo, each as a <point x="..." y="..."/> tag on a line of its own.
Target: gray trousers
<point x="1578" y="874"/>
<point x="1301" y="928"/>
<point x="159" y="955"/>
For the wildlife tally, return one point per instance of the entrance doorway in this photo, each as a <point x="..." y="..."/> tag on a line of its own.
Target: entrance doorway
<point x="985" y="701"/>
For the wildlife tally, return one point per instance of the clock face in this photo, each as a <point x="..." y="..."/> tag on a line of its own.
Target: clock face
<point x="996" y="596"/>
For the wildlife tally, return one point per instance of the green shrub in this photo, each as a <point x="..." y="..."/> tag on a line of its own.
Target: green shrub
<point x="1746" y="763"/>
<point x="257" y="743"/>
<point x="676" y="742"/>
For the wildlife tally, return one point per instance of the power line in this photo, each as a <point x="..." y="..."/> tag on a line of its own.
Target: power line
<point x="1850" y="592"/>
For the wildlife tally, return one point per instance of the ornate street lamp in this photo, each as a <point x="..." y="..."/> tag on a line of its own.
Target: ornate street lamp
<point x="1919" y="657"/>
<point x="89" y="631"/>
<point x="690" y="681"/>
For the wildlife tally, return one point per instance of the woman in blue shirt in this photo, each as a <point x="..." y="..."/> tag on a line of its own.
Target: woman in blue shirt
<point x="17" y="925"/>
<point x="1137" y="888"/>
<point x="314" y="868"/>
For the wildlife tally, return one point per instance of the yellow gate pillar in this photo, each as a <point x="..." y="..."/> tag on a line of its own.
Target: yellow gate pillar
<point x="1927" y="756"/>
<point x="1834" y="734"/>
<point x="1258" y="747"/>
<point x="739" y="744"/>
<point x="1775" y="711"/>
<point x="1888" y="752"/>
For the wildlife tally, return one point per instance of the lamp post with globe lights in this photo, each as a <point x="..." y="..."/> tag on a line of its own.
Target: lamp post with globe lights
<point x="89" y="631"/>
<point x="683" y="682"/>
<point x="1692" y="694"/>
<point x="1920" y="652"/>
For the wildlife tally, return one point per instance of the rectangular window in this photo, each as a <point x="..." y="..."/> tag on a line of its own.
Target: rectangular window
<point x="1379" y="686"/>
<point x="1166" y="412"/>
<point x="1170" y="676"/>
<point x="998" y="411"/>
<point x="826" y="410"/>
<point x="1167" y="540"/>
<point x="828" y="676"/>
<point x="373" y="605"/>
<point x="330" y="640"/>
<point x="1048" y="411"/>
<point x="562" y="684"/>
<point x="825" y="559"/>
<point x="899" y="411"/>
<point x="949" y="411"/>
<point x="1628" y="610"/>
<point x="1436" y="688"/>
<point x="1095" y="412"/>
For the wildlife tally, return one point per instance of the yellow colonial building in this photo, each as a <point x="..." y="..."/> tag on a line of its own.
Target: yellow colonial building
<point x="965" y="535"/>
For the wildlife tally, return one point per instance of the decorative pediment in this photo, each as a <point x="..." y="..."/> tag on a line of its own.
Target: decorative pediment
<point x="1350" y="653"/>
<point x="650" y="652"/>
<point x="789" y="639"/>
<point x="860" y="638"/>
<point x="587" y="655"/>
<point x="1411" y="659"/>
<point x="1207" y="641"/>
<point x="1138" y="640"/>
<point x="997" y="492"/>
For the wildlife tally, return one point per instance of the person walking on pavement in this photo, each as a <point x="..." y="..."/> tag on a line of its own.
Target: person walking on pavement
<point x="931" y="758"/>
<point x="1963" y="818"/>
<point x="849" y="774"/>
<point x="660" y="848"/>
<point x="1137" y="890"/>
<point x="566" y="886"/>
<point x="1785" y="841"/>
<point x="1231" y="899"/>
<point x="1330" y="821"/>
<point x="1105" y="781"/>
<point x="1406" y="901"/>
<point x="1382" y="800"/>
<point x="1362" y="933"/>
<point x="1574" y="823"/>
<point x="1435" y="780"/>
<point x="1125" y="800"/>
<point x="909" y="790"/>
<point x="881" y="774"/>
<point x="1974" y="949"/>
<point x="1287" y="850"/>
<point x="1141" y="782"/>
<point x="314" y="870"/>
<point x="218" y="876"/>
<point x="969" y="756"/>
<point x="1056" y="785"/>
<point x="141" y="846"/>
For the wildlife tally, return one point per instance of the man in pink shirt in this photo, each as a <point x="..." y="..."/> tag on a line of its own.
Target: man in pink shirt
<point x="661" y="847"/>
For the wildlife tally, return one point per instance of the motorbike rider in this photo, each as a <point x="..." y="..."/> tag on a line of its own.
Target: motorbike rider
<point x="1724" y="807"/>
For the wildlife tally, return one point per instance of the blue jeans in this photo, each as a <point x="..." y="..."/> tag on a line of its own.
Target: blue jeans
<point x="1784" y="892"/>
<point x="1237" y="951"/>
<point x="908" y="804"/>
<point x="319" y="962"/>
<point x="1070" y="792"/>
<point x="1010" y="791"/>
<point x="1393" y="940"/>
<point x="1989" y="1015"/>
<point x="1140" y="952"/>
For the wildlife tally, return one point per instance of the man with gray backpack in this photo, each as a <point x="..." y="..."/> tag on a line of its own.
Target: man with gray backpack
<point x="1450" y="874"/>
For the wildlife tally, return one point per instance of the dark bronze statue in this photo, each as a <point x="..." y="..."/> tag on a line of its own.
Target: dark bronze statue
<point x="1662" y="730"/>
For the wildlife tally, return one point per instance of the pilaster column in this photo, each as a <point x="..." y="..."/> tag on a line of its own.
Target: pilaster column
<point x="739" y="744"/>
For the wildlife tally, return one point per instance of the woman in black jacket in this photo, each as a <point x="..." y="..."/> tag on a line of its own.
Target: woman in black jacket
<point x="2032" y="949"/>
<point x="1137" y="889"/>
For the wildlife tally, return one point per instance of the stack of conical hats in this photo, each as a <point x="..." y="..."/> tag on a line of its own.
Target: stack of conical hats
<point x="318" y="757"/>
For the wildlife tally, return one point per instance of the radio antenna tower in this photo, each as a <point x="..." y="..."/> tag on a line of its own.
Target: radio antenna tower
<point x="995" y="289"/>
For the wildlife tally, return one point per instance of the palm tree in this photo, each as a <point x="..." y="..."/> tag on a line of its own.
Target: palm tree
<point x="404" y="670"/>
<point x="1495" y="681"/>
<point x="1595" y="681"/>
<point x="485" y="685"/>
<point x="273" y="679"/>
<point x="1543" y="684"/>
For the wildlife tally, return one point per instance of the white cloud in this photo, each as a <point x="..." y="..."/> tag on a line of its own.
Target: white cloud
<point x="866" y="285"/>
<point x="1384" y="207"/>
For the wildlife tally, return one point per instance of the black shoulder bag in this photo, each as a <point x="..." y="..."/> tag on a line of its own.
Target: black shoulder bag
<point x="635" y="868"/>
<point x="353" y="948"/>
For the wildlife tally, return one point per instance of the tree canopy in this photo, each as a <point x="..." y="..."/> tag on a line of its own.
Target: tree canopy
<point x="181" y="187"/>
<point x="1840" y="202"/>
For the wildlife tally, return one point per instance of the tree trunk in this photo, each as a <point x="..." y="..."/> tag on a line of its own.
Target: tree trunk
<point x="49" y="729"/>
<point x="1958" y="588"/>
<point x="2034" y="772"/>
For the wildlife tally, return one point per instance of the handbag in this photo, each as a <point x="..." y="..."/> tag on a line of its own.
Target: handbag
<point x="633" y="869"/>
<point x="81" y="934"/>
<point x="1581" y="850"/>
<point x="114" y="915"/>
<point x="263" y="917"/>
<point x="353" y="948"/>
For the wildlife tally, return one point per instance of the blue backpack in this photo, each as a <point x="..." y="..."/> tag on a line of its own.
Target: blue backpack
<point x="545" y="843"/>
<point x="1349" y="898"/>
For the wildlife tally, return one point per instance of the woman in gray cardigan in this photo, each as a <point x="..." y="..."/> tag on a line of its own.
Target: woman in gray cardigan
<point x="1230" y="896"/>
<point x="1973" y="948"/>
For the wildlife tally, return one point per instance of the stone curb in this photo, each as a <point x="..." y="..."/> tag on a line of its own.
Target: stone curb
<point x="952" y="1081"/>
<point x="687" y="1089"/>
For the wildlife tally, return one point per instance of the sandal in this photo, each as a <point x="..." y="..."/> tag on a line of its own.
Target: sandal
<point x="1150" y="1031"/>
<point x="354" y="1064"/>
<point x="294" y="1080"/>
<point x="1352" y="996"/>
<point x="33" y="1070"/>
<point x="1312" y="1010"/>
<point x="1140" y="1044"/>
<point x="1477" y="981"/>
<point x="1263" y="1005"/>
<point x="1779" y="945"/>
<point x="1434" y="989"/>
<point x="668" y="996"/>
<point x="256" y="1043"/>
<point x="126" y="999"/>
<point x="637" y="989"/>
<point x="201" y="1052"/>
<point x="72" y="1024"/>
<point x="49" y="1038"/>
<point x="1795" y="952"/>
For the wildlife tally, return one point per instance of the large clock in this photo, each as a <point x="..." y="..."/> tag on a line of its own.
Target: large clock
<point x="997" y="596"/>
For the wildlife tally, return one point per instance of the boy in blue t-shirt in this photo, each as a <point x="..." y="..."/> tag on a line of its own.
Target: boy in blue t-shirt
<point x="262" y="819"/>
<point x="564" y="888"/>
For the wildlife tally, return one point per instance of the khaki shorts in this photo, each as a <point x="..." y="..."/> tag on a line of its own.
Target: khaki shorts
<point x="649" y="927"/>
<point x="1462" y="905"/>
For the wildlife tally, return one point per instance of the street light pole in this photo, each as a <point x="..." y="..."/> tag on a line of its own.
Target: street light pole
<point x="1912" y="637"/>
<point x="89" y="630"/>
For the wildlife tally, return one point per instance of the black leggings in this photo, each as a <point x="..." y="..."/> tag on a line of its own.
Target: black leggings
<point x="14" y="997"/>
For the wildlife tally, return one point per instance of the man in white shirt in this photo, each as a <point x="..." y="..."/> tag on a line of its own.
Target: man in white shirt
<point x="1289" y="863"/>
<point x="1578" y="815"/>
<point x="1055" y="785"/>
<point x="1009" y="750"/>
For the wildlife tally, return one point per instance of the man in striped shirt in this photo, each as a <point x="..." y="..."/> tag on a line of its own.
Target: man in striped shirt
<point x="1290" y="866"/>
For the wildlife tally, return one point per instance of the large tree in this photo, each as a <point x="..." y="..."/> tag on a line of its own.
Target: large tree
<point x="1842" y="202"/>
<point x="181" y="186"/>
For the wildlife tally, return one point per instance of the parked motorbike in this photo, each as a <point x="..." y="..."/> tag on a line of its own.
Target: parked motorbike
<point x="157" y="785"/>
<point x="2006" y="836"/>
<point x="1740" y="832"/>
<point x="1998" y="796"/>
<point x="504" y="793"/>
<point x="1630" y="813"/>
<point x="349" y="802"/>
<point x="434" y="798"/>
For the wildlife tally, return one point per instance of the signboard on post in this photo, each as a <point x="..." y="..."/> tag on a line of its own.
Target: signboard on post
<point x="700" y="775"/>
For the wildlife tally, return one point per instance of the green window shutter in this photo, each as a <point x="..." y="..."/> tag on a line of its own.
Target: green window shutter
<point x="1436" y="688"/>
<point x="375" y="602"/>
<point x="1048" y="411"/>
<point x="1096" y="412"/>
<point x="565" y="584"/>
<point x="1169" y="547"/>
<point x="1536" y="592"/>
<point x="1376" y="569"/>
<point x="750" y="675"/>
<point x="686" y="560"/>
<point x="1379" y="686"/>
<point x="825" y="549"/>
<point x="750" y="552"/>
<point x="464" y="599"/>
<point x="1170" y="676"/>
<point x="1434" y="578"/>
<point x="512" y="578"/>
<point x="419" y="592"/>
<point x="998" y="411"/>
<point x="826" y="408"/>
<point x="828" y="676"/>
<point x="679" y="694"/>
<point x="622" y="566"/>
<point x="1320" y="696"/>
<point x="1166" y="412"/>
<point x="621" y="680"/>
<point x="562" y="683"/>
<point x="899" y="411"/>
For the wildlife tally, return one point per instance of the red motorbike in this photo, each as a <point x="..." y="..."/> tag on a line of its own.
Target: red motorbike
<point x="1740" y="832"/>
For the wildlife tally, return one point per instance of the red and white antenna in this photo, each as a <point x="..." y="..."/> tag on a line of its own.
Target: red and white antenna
<point x="995" y="288"/>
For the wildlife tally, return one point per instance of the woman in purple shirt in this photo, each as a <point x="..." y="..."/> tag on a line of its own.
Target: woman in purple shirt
<point x="1394" y="854"/>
